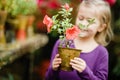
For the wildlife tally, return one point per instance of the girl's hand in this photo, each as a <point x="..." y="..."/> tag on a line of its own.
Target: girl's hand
<point x="56" y="62"/>
<point x="78" y="64"/>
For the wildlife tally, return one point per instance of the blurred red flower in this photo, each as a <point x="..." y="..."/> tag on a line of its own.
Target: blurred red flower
<point x="42" y="68"/>
<point x="111" y="2"/>
<point x="54" y="4"/>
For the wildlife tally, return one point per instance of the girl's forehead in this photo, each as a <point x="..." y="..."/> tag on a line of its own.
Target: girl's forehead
<point x="87" y="12"/>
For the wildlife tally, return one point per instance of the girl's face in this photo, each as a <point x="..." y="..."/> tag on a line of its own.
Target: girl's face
<point x="83" y="17"/>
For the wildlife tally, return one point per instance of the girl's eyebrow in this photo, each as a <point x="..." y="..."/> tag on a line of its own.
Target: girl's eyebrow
<point x="81" y="16"/>
<point x="84" y="16"/>
<point x="88" y="17"/>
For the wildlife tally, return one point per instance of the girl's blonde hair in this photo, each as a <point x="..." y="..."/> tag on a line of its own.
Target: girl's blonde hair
<point x="103" y="12"/>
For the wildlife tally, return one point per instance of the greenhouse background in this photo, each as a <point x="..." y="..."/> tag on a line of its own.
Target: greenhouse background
<point x="21" y="58"/>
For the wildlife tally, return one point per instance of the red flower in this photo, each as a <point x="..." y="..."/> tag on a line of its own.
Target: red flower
<point x="66" y="6"/>
<point x="72" y="33"/>
<point x="111" y="2"/>
<point x="41" y="3"/>
<point x="54" y="5"/>
<point x="48" y="21"/>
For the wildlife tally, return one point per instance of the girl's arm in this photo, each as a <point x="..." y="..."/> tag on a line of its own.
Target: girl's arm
<point x="101" y="72"/>
<point x="51" y="74"/>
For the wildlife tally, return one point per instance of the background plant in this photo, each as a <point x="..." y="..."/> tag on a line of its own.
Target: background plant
<point x="23" y="7"/>
<point x="5" y="5"/>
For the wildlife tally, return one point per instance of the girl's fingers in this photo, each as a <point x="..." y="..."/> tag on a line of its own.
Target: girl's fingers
<point x="78" y="64"/>
<point x="57" y="55"/>
<point x="78" y="61"/>
<point x="57" y="61"/>
<point x="76" y="67"/>
<point x="56" y="66"/>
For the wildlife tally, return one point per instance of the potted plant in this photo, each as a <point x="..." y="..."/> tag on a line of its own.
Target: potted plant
<point x="5" y="5"/>
<point x="64" y="28"/>
<point x="23" y="7"/>
<point x="21" y="12"/>
<point x="4" y="9"/>
<point x="61" y="23"/>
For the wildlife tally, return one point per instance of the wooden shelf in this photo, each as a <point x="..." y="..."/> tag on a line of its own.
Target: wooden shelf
<point x="17" y="49"/>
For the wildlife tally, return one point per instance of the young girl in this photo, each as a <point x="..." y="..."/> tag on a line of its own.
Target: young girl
<point x="93" y="61"/>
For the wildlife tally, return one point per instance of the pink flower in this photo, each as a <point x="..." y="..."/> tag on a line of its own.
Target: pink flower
<point x="72" y="33"/>
<point x="48" y="21"/>
<point x="66" y="6"/>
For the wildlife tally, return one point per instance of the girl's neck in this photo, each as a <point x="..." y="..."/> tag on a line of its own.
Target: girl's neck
<point x="86" y="45"/>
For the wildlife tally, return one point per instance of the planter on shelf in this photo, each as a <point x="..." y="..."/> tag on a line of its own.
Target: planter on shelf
<point x="21" y="30"/>
<point x="3" y="16"/>
<point x="30" y="30"/>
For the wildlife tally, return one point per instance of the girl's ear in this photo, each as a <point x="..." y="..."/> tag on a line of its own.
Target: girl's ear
<point x="102" y="27"/>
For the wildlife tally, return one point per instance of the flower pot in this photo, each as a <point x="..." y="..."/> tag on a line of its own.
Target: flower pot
<point x="66" y="54"/>
<point x="21" y="31"/>
<point x="3" y="16"/>
<point x="30" y="29"/>
<point x="21" y="35"/>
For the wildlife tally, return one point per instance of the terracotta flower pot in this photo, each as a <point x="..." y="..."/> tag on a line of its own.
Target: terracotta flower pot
<point x="21" y="35"/>
<point x="21" y="30"/>
<point x="66" y="54"/>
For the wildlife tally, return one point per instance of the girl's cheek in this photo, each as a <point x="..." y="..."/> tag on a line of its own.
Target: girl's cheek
<point x="77" y="22"/>
<point x="86" y="33"/>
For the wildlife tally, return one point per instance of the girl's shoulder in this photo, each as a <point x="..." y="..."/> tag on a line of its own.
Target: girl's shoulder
<point x="97" y="49"/>
<point x="57" y="42"/>
<point x="101" y="50"/>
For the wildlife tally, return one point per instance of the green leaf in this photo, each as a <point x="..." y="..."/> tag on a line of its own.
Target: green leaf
<point x="71" y="9"/>
<point x="81" y="26"/>
<point x="91" y="21"/>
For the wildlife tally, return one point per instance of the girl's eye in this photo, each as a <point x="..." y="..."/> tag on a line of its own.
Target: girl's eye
<point x="91" y="20"/>
<point x="81" y="17"/>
